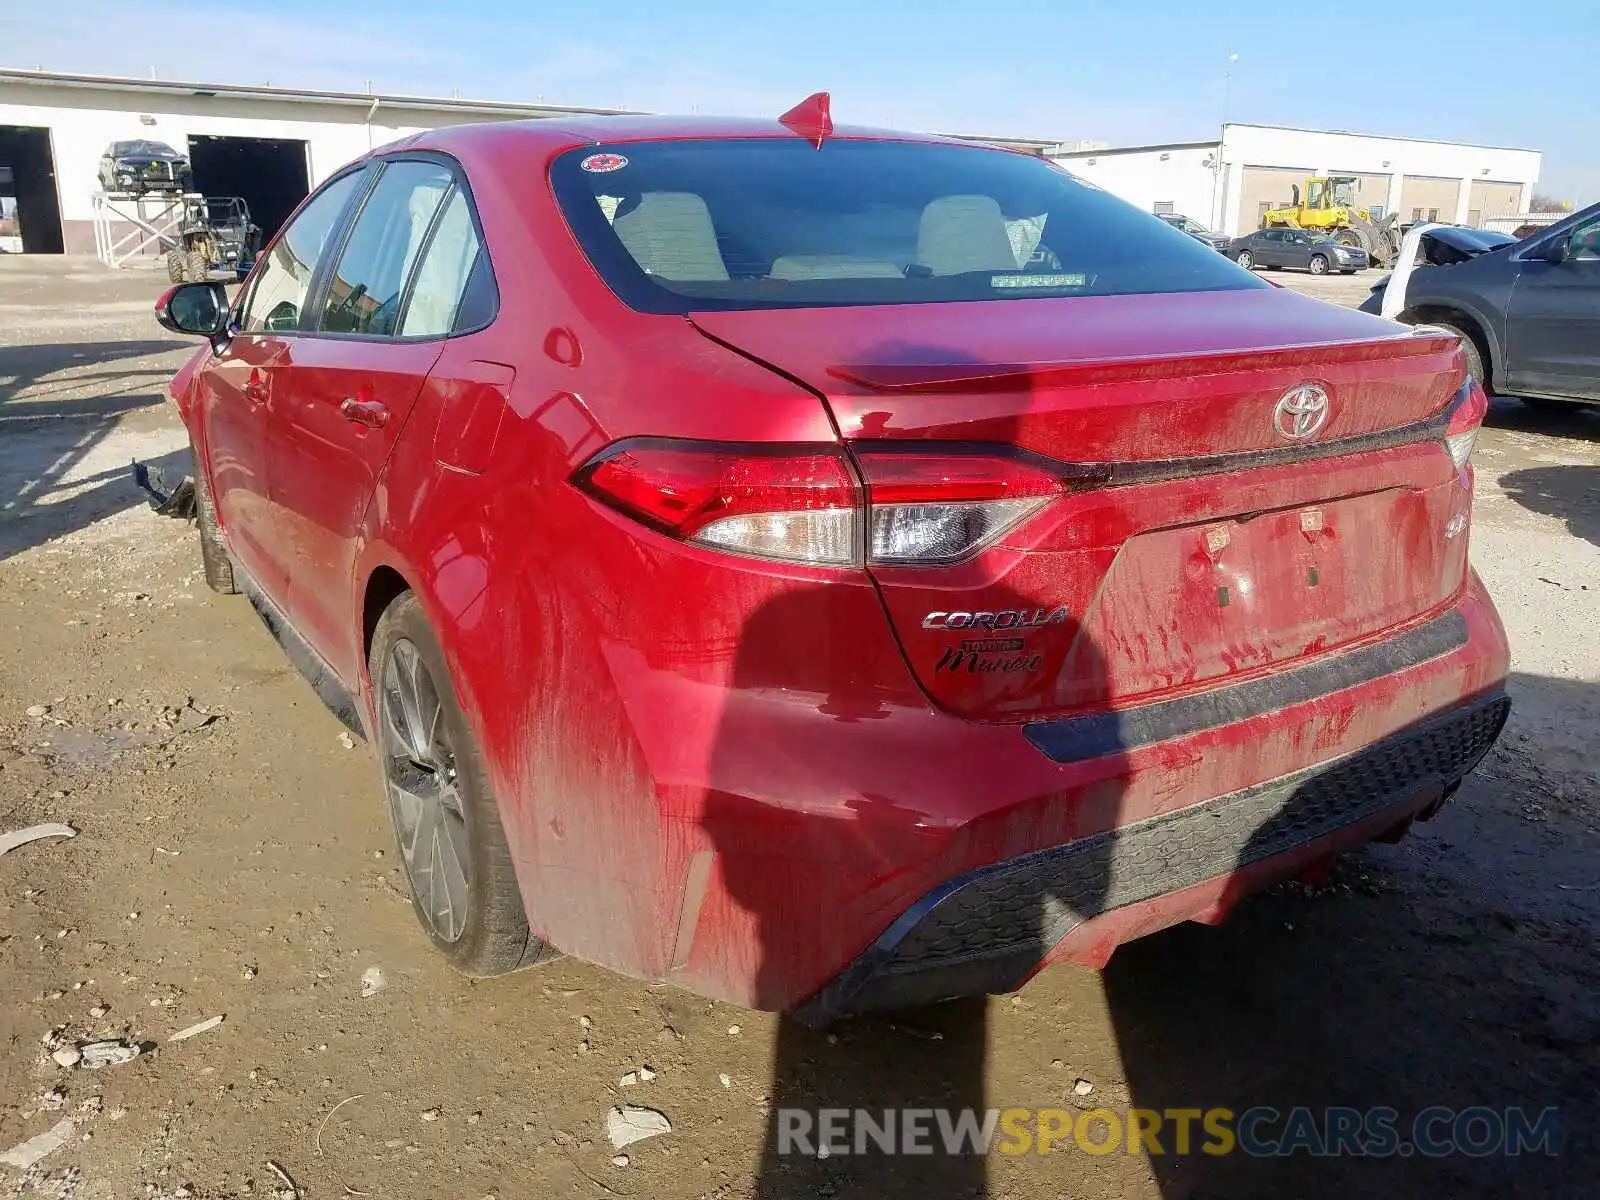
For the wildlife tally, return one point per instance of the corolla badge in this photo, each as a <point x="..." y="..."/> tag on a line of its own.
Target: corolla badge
<point x="1302" y="411"/>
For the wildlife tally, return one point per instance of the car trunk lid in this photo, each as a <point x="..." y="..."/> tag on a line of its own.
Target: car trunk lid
<point x="1210" y="526"/>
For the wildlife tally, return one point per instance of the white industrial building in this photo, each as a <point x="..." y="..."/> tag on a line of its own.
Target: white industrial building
<point x="271" y="145"/>
<point x="1228" y="183"/>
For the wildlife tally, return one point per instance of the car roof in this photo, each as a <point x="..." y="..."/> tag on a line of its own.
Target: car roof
<point x="551" y="133"/>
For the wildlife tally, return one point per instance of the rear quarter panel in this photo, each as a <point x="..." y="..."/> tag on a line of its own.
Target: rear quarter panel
<point x="535" y="590"/>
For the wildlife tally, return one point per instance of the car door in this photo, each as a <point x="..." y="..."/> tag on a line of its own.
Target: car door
<point x="348" y="392"/>
<point x="1296" y="250"/>
<point x="1553" y="321"/>
<point x="237" y="386"/>
<point x="1269" y="247"/>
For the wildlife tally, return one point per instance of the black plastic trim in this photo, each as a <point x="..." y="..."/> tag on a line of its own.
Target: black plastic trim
<point x="1074" y="739"/>
<point x="324" y="681"/>
<point x="985" y="931"/>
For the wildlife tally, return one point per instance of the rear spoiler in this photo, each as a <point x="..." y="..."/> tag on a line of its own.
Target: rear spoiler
<point x="941" y="377"/>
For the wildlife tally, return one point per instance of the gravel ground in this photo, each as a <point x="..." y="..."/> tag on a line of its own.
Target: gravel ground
<point x="234" y="859"/>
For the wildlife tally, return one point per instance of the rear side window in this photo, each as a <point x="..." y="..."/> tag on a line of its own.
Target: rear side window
<point x="365" y="290"/>
<point x="284" y="277"/>
<point x="734" y="223"/>
<point x="451" y="260"/>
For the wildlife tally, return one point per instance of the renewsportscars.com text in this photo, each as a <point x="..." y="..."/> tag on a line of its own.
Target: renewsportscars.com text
<point x="1260" y="1132"/>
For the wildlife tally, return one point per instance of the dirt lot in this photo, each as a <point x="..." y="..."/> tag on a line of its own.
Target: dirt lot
<point x="235" y="859"/>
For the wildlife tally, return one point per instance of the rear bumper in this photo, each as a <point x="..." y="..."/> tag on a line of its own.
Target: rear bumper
<point x="760" y="820"/>
<point x="991" y="929"/>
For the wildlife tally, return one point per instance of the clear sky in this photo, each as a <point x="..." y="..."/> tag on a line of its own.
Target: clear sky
<point x="1128" y="73"/>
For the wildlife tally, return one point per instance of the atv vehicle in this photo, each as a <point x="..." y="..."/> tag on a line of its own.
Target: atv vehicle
<point x="215" y="233"/>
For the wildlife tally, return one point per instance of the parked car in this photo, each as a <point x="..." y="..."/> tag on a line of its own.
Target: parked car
<point x="136" y="167"/>
<point x="1217" y="241"/>
<point x="827" y="614"/>
<point x="1527" y="312"/>
<point x="1301" y="248"/>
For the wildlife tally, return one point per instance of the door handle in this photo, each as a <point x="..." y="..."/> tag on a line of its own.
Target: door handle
<point x="365" y="412"/>
<point x="256" y="391"/>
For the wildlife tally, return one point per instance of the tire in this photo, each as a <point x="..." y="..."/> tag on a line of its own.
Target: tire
<point x="1318" y="264"/>
<point x="196" y="268"/>
<point x="1245" y="259"/>
<point x="1474" y="353"/>
<point x="463" y="888"/>
<point x="214" y="556"/>
<point x="176" y="266"/>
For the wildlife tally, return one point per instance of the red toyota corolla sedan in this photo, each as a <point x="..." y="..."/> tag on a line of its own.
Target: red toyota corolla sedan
<point x="834" y="570"/>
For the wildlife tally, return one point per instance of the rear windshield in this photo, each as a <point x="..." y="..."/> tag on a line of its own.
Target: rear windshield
<point x="678" y="226"/>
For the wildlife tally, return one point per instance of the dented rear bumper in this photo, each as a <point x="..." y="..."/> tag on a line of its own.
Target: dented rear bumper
<point x="990" y="930"/>
<point x="922" y="855"/>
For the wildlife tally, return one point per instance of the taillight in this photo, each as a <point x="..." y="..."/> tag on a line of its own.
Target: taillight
<point x="802" y="504"/>
<point x="795" y="504"/>
<point x="1466" y="417"/>
<point x="938" y="507"/>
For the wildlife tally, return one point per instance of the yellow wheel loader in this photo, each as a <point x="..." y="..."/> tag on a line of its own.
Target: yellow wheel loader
<point x="1330" y="206"/>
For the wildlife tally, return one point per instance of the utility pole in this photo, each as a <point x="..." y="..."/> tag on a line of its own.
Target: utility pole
<point x="1218" y="201"/>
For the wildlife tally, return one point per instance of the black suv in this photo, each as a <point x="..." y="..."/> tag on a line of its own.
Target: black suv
<point x="136" y="167"/>
<point x="1528" y="311"/>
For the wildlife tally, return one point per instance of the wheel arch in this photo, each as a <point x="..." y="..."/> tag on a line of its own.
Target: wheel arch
<point x="1480" y="331"/>
<point x="384" y="585"/>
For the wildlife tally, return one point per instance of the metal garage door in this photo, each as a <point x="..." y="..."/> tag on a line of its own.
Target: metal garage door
<point x="1490" y="198"/>
<point x="1266" y="187"/>
<point x="1428" y="198"/>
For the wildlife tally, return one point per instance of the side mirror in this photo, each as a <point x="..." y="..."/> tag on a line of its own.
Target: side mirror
<point x="197" y="308"/>
<point x="1554" y="251"/>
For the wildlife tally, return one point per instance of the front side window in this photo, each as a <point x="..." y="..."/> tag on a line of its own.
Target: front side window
<point x="736" y="223"/>
<point x="278" y="294"/>
<point x="365" y="289"/>
<point x="1585" y="244"/>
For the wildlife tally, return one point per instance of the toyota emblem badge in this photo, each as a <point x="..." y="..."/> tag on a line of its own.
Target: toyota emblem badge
<point x="1302" y="411"/>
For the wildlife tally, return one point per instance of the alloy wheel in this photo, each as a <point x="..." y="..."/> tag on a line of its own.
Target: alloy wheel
<point x="419" y="766"/>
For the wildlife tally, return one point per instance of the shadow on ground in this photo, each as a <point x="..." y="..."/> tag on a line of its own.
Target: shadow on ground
<point x="1398" y="993"/>
<point x="1578" y="422"/>
<point x="54" y="415"/>
<point x="1571" y="492"/>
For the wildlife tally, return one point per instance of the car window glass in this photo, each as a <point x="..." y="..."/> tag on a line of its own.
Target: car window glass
<point x="681" y="225"/>
<point x="284" y="277"/>
<point x="1585" y="244"/>
<point x="443" y="273"/>
<point x="365" y="289"/>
